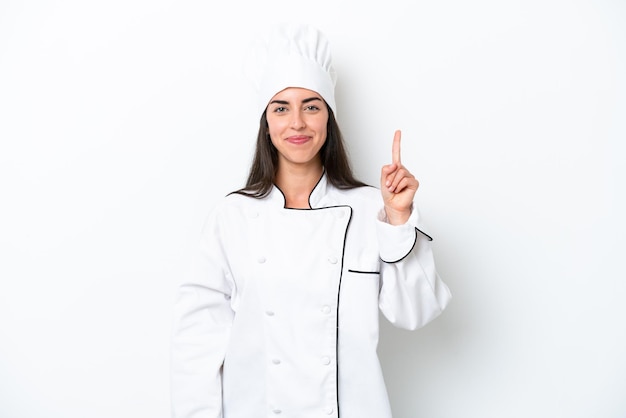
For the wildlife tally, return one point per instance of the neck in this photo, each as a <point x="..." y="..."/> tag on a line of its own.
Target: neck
<point x="297" y="183"/>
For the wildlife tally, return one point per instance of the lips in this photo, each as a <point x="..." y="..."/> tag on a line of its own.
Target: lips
<point x="298" y="139"/>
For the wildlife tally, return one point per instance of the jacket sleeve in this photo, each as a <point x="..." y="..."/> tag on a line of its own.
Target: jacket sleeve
<point x="412" y="294"/>
<point x="201" y="325"/>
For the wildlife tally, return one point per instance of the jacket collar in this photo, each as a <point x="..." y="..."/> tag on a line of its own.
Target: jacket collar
<point x="319" y="197"/>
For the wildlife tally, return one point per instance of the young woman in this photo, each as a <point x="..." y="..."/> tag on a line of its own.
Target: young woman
<point x="280" y="317"/>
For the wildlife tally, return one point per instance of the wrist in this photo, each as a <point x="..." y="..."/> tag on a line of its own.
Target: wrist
<point x="397" y="217"/>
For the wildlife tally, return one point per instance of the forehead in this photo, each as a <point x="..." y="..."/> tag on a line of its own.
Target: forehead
<point x="295" y="94"/>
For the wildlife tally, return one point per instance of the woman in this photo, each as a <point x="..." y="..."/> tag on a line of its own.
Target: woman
<point x="280" y="317"/>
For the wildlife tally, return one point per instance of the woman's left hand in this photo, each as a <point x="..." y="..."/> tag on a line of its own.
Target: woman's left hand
<point x="398" y="186"/>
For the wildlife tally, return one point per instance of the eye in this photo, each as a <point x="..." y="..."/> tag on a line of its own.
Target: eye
<point x="280" y="109"/>
<point x="312" y="108"/>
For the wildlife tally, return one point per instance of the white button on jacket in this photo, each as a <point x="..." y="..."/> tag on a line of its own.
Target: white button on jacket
<point x="280" y="314"/>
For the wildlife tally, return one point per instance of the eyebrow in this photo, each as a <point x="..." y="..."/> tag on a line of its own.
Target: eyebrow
<point x="284" y="102"/>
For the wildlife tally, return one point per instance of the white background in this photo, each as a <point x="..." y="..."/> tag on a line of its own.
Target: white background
<point x="121" y="123"/>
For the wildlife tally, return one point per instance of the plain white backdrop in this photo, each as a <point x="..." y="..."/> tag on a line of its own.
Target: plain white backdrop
<point x="122" y="122"/>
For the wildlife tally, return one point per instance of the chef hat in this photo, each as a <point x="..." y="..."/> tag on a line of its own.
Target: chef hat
<point x="292" y="55"/>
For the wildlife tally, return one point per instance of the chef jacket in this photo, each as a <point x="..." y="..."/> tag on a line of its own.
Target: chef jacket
<point x="279" y="317"/>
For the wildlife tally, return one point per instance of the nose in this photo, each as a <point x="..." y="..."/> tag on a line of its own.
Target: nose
<point x="297" y="121"/>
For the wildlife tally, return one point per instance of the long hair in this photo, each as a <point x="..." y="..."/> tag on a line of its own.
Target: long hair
<point x="265" y="162"/>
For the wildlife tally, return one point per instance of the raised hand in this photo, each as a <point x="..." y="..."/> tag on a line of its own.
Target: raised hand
<point x="398" y="186"/>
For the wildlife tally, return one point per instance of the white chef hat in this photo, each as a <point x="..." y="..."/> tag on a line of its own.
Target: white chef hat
<point x="292" y="55"/>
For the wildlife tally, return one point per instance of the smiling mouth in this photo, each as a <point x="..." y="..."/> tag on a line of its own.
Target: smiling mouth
<point x="298" y="139"/>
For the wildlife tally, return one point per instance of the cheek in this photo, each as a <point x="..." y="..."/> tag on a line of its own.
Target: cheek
<point x="321" y="126"/>
<point x="274" y="135"/>
<point x="274" y="128"/>
<point x="323" y="133"/>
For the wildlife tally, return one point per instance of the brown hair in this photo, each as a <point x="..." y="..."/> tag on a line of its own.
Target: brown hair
<point x="265" y="162"/>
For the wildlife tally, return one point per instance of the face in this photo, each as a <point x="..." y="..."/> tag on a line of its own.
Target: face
<point x="297" y="121"/>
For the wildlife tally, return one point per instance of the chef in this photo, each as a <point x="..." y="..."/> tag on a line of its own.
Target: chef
<point x="280" y="315"/>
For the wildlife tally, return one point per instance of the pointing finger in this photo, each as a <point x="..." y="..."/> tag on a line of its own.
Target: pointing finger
<point x="395" y="150"/>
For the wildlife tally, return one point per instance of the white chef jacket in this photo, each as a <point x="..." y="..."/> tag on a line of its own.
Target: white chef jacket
<point x="279" y="317"/>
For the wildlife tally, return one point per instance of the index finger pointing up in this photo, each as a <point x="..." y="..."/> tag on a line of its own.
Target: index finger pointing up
<point x="395" y="149"/>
